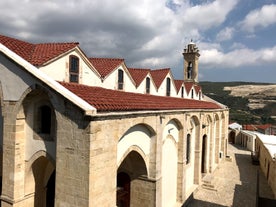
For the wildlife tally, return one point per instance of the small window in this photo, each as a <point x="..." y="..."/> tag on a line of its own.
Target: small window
<point x="147" y="85"/>
<point x="182" y="92"/>
<point x="120" y="79"/>
<point x="74" y="69"/>
<point x="45" y="119"/>
<point x="188" y="148"/>
<point x="192" y="93"/>
<point x="168" y="87"/>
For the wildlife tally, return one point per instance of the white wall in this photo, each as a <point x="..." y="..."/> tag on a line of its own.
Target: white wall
<point x="142" y="87"/>
<point x="138" y="136"/>
<point x="111" y="81"/>
<point x="59" y="70"/>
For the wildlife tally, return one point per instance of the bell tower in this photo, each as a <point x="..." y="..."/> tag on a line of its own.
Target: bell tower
<point x="191" y="56"/>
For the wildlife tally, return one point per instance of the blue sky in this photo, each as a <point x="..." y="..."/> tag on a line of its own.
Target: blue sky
<point x="236" y="38"/>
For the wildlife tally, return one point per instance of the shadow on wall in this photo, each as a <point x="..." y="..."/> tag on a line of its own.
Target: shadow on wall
<point x="245" y="194"/>
<point x="200" y="203"/>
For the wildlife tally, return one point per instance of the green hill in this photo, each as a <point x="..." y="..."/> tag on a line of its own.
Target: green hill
<point x="241" y="106"/>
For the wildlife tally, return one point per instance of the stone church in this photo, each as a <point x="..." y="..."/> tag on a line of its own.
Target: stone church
<point x="85" y="131"/>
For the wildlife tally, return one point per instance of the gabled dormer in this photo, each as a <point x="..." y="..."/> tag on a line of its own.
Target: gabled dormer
<point x="61" y="61"/>
<point x="164" y="82"/>
<point x="143" y="80"/>
<point x="114" y="74"/>
<point x="180" y="88"/>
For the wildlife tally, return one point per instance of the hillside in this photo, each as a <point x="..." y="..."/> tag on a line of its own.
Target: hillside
<point x="248" y="102"/>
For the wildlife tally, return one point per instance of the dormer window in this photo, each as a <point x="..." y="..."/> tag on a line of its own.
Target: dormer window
<point x="168" y="87"/>
<point x="182" y="92"/>
<point x="147" y="85"/>
<point x="192" y="93"/>
<point x="120" y="79"/>
<point x="74" y="69"/>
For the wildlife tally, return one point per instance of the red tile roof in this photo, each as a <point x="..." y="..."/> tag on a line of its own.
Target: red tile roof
<point x="111" y="100"/>
<point x="249" y="127"/>
<point x="21" y="48"/>
<point x="105" y="66"/>
<point x="138" y="74"/>
<point x="48" y="51"/>
<point x="36" y="54"/>
<point x="188" y="86"/>
<point x="253" y="127"/>
<point x="159" y="75"/>
<point x="197" y="88"/>
<point x="264" y="126"/>
<point x="178" y="84"/>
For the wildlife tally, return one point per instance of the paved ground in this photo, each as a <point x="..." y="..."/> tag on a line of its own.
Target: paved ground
<point x="234" y="183"/>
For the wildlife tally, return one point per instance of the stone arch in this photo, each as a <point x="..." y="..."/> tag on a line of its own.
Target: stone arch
<point x="224" y="138"/>
<point x="134" y="149"/>
<point x="40" y="179"/>
<point x="174" y="131"/>
<point x="132" y="181"/>
<point x="217" y="137"/>
<point x="142" y="138"/>
<point x="29" y="119"/>
<point x="169" y="171"/>
<point x="204" y="154"/>
<point x="196" y="141"/>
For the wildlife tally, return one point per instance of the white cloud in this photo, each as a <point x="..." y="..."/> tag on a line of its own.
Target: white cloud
<point x="225" y="34"/>
<point x="244" y="57"/>
<point x="209" y="14"/>
<point x="262" y="17"/>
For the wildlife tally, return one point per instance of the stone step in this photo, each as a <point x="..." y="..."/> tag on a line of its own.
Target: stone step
<point x="209" y="183"/>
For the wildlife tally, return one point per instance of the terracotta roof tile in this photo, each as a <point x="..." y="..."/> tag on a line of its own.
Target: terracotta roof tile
<point x="188" y="86"/>
<point x="178" y="84"/>
<point x="21" y="48"/>
<point x="105" y="65"/>
<point x="138" y="74"/>
<point x="197" y="88"/>
<point x="249" y="127"/>
<point x="159" y="75"/>
<point x="264" y="126"/>
<point x="47" y="51"/>
<point x="111" y="100"/>
<point x="36" y="54"/>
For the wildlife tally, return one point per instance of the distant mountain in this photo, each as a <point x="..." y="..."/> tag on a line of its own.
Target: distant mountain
<point x="249" y="102"/>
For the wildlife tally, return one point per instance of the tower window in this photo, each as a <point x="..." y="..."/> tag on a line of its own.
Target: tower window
<point x="168" y="87"/>
<point x="45" y="119"/>
<point x="120" y="79"/>
<point x="148" y="85"/>
<point x="190" y="70"/>
<point x="74" y="69"/>
<point x="192" y="93"/>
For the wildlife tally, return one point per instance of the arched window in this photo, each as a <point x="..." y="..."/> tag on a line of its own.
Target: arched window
<point x="168" y="87"/>
<point x="188" y="148"/>
<point x="192" y="93"/>
<point x="74" y="69"/>
<point x="182" y="92"/>
<point x="45" y="119"/>
<point x="120" y="79"/>
<point x="148" y="85"/>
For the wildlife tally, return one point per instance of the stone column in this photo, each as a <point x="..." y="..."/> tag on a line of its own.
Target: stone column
<point x="13" y="157"/>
